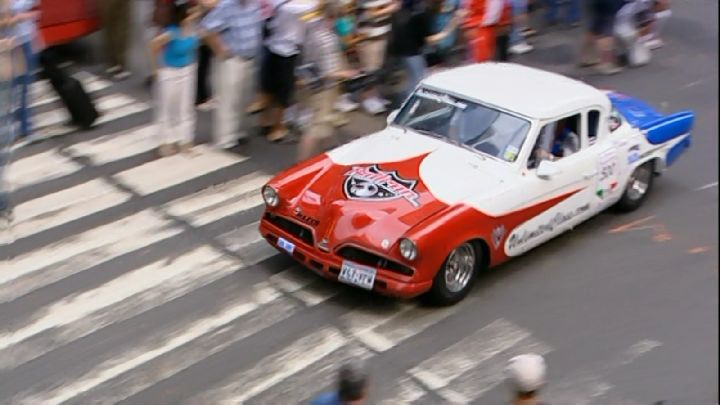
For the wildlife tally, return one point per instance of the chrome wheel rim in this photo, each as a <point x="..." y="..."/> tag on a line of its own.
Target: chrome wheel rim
<point x="459" y="267"/>
<point x="639" y="181"/>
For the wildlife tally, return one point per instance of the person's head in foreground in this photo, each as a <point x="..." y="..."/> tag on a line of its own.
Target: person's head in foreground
<point x="526" y="376"/>
<point x="352" y="384"/>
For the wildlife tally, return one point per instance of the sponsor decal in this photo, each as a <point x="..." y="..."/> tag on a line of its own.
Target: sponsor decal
<point x="560" y="218"/>
<point x="306" y="218"/>
<point x="511" y="153"/>
<point x="633" y="154"/>
<point x="372" y="184"/>
<point x="497" y="235"/>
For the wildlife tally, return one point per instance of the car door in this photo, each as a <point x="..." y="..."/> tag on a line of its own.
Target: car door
<point x="611" y="160"/>
<point x="561" y="191"/>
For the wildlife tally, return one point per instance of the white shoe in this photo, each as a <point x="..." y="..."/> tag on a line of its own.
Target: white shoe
<point x="122" y="75"/>
<point x="113" y="69"/>
<point x="345" y="104"/>
<point x="384" y="101"/>
<point x="206" y="106"/>
<point x="373" y="106"/>
<point x="521" y="48"/>
<point x="654" y="43"/>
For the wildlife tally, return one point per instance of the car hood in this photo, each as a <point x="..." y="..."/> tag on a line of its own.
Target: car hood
<point x="375" y="189"/>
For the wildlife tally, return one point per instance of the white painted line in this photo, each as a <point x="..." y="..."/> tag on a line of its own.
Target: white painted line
<point x="273" y="369"/>
<point x="65" y="206"/>
<point x="38" y="168"/>
<point x="473" y="384"/>
<point x="104" y="104"/>
<point x="102" y="243"/>
<point x="707" y="186"/>
<point x="440" y="370"/>
<point x="220" y="201"/>
<point x="304" y="285"/>
<point x="587" y="385"/>
<point x="385" y="333"/>
<point x="166" y="344"/>
<point x="117" y="146"/>
<point x="167" y="172"/>
<point x="124" y="297"/>
<point x="405" y="391"/>
<point x="241" y="236"/>
<point x="302" y="386"/>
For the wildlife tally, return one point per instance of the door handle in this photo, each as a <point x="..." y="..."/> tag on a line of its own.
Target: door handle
<point x="590" y="174"/>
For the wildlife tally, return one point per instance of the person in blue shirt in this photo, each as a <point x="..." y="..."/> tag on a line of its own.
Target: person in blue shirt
<point x="352" y="388"/>
<point x="176" y="49"/>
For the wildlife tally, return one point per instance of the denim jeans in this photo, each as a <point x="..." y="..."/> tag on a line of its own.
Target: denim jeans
<point x="22" y="85"/>
<point x="572" y="10"/>
<point x="519" y="7"/>
<point x="415" y="69"/>
<point x="6" y="139"/>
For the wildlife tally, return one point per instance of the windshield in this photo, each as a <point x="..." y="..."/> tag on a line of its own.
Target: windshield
<point x="484" y="129"/>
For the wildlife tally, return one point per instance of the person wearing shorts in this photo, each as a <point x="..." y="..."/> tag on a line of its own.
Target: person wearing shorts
<point x="600" y="37"/>
<point x="282" y="49"/>
<point x="374" y="23"/>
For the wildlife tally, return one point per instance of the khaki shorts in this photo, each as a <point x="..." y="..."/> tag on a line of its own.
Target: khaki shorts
<point x="322" y="104"/>
<point x="372" y="54"/>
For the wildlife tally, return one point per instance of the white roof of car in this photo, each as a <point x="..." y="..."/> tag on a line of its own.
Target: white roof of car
<point x="521" y="89"/>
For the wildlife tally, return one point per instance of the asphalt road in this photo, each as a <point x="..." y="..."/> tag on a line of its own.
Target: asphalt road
<point x="143" y="281"/>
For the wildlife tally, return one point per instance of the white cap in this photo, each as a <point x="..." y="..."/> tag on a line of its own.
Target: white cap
<point x="526" y="372"/>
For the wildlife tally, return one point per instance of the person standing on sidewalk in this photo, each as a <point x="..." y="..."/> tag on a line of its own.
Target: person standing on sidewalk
<point x="286" y="33"/>
<point x="322" y="68"/>
<point x="116" y="15"/>
<point x="526" y="376"/>
<point x="600" y="37"/>
<point x="233" y="32"/>
<point x="7" y="45"/>
<point x="374" y="23"/>
<point x="203" y="96"/>
<point x="571" y="8"/>
<point x="24" y="30"/>
<point x="175" y="79"/>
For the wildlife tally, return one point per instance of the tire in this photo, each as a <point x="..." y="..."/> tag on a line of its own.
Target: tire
<point x="456" y="276"/>
<point x="638" y="188"/>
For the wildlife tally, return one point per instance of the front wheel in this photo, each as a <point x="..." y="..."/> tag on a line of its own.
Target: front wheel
<point x="638" y="187"/>
<point x="455" y="278"/>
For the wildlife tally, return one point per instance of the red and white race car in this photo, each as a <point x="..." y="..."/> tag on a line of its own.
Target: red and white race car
<point x="481" y="163"/>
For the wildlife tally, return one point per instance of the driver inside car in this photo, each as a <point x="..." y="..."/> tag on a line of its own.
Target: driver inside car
<point x="555" y="143"/>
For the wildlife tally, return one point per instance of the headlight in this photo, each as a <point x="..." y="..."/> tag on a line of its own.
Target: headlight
<point x="408" y="250"/>
<point x="270" y="196"/>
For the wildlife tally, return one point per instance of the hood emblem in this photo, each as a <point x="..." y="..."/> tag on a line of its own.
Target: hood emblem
<point x="372" y="184"/>
<point x="306" y="218"/>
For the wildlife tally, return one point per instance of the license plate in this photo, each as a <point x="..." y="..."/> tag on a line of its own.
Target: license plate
<point x="286" y="245"/>
<point x="356" y="274"/>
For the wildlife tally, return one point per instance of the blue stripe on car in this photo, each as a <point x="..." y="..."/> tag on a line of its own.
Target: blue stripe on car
<point x="677" y="150"/>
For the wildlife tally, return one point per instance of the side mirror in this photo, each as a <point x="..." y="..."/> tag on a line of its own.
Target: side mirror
<point x="547" y="169"/>
<point x="391" y="116"/>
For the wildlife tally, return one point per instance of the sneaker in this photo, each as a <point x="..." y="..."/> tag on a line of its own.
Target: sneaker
<point x="654" y="43"/>
<point x="608" y="69"/>
<point x="521" y="48"/>
<point x="122" y="75"/>
<point x="587" y="62"/>
<point x="257" y="106"/>
<point x="113" y="69"/>
<point x="206" y="106"/>
<point x="384" y="101"/>
<point x="277" y="135"/>
<point x="528" y="32"/>
<point x="345" y="104"/>
<point x="373" y="106"/>
<point x="166" y="150"/>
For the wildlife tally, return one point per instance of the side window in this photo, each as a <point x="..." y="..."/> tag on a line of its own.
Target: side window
<point x="593" y="125"/>
<point x="556" y="140"/>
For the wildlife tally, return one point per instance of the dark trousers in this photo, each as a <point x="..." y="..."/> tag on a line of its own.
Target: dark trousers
<point x="204" y="91"/>
<point x="502" y="46"/>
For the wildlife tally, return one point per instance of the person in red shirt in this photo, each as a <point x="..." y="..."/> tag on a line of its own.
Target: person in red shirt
<point x="487" y="27"/>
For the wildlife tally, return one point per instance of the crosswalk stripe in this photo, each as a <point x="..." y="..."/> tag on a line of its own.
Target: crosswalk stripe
<point x="302" y="386"/>
<point x="169" y="171"/>
<point x="489" y="374"/>
<point x="42" y="92"/>
<point x="64" y="206"/>
<point x="405" y="391"/>
<point x="381" y="333"/>
<point x="296" y="280"/>
<point x="100" y="244"/>
<point x="587" y="385"/>
<point x="135" y="358"/>
<point x="44" y="166"/>
<point x="271" y="370"/>
<point x="217" y="202"/>
<point x="116" y="146"/>
<point x="136" y="292"/>
<point x="103" y="104"/>
<point x="440" y="370"/>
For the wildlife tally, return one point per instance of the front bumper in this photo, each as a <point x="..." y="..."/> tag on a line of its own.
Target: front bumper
<point x="328" y="264"/>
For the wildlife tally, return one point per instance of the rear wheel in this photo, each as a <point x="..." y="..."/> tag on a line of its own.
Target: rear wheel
<point x="638" y="187"/>
<point x="456" y="276"/>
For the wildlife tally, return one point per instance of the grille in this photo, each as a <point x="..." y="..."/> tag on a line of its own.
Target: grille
<point x="373" y="260"/>
<point x="294" y="229"/>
